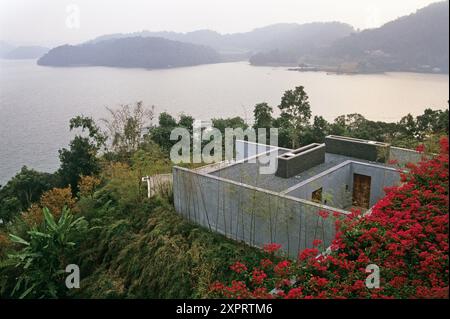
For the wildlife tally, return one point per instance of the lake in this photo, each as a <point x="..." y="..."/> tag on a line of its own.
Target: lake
<point x="37" y="102"/>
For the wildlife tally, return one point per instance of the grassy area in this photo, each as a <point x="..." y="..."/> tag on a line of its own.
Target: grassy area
<point x="149" y="251"/>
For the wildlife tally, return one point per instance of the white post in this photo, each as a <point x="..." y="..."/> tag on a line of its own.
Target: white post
<point x="147" y="179"/>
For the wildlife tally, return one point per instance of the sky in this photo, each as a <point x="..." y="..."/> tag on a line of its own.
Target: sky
<point x="56" y="22"/>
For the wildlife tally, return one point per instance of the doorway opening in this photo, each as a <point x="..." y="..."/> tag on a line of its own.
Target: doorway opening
<point x="361" y="190"/>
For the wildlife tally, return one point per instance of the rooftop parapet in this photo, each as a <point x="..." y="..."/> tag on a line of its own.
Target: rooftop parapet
<point x="296" y="161"/>
<point x="357" y="148"/>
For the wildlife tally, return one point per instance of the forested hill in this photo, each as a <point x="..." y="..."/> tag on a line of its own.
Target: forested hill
<point x="414" y="42"/>
<point x="133" y="52"/>
<point x="418" y="42"/>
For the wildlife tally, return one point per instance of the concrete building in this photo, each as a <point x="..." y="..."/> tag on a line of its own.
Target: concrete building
<point x="237" y="200"/>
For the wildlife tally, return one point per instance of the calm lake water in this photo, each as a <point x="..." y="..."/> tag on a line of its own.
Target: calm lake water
<point x="37" y="102"/>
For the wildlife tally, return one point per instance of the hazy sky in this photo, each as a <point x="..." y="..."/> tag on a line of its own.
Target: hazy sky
<point x="54" y="22"/>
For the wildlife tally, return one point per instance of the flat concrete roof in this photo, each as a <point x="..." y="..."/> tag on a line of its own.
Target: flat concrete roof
<point x="248" y="173"/>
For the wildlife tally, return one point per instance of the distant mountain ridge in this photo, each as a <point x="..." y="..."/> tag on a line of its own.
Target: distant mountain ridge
<point x="134" y="52"/>
<point x="418" y="42"/>
<point x="26" y="52"/>
<point x="269" y="37"/>
<point x="9" y="51"/>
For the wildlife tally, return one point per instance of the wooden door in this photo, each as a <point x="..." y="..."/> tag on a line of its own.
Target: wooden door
<point x="361" y="190"/>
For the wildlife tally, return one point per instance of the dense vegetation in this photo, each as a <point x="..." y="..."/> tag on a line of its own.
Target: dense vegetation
<point x="136" y="52"/>
<point x="405" y="236"/>
<point x="93" y="210"/>
<point x="125" y="244"/>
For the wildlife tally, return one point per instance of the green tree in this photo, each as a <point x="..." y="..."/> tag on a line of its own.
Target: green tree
<point x="81" y="157"/>
<point x="426" y="122"/>
<point x="284" y="136"/>
<point x="339" y="127"/>
<point x="89" y="125"/>
<point x="232" y="122"/>
<point x="262" y="116"/>
<point x="432" y="121"/>
<point x="25" y="188"/>
<point x="441" y="125"/>
<point x="187" y="122"/>
<point x="317" y="132"/>
<point x="295" y="105"/>
<point x="161" y="133"/>
<point x="320" y="129"/>
<point x="355" y="124"/>
<point x="166" y="120"/>
<point x="408" y="125"/>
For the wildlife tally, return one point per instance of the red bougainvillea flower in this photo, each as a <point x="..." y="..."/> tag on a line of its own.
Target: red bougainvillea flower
<point x="420" y="148"/>
<point x="294" y="293"/>
<point x="258" y="276"/>
<point x="324" y="214"/>
<point x="308" y="253"/>
<point x="282" y="268"/>
<point x="317" y="242"/>
<point x="393" y="162"/>
<point x="337" y="215"/>
<point x="238" y="267"/>
<point x="266" y="263"/>
<point x="271" y="248"/>
<point x="318" y="281"/>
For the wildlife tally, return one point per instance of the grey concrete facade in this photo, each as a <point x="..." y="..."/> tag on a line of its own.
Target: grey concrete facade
<point x="250" y="214"/>
<point x="403" y="156"/>
<point x="236" y="200"/>
<point x="337" y="183"/>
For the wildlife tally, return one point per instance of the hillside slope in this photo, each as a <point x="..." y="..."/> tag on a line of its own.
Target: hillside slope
<point x="416" y="42"/>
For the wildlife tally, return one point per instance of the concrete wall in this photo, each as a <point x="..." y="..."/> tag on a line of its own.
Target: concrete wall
<point x="404" y="156"/>
<point x="246" y="149"/>
<point x="250" y="214"/>
<point x="357" y="148"/>
<point x="333" y="183"/>
<point x="337" y="183"/>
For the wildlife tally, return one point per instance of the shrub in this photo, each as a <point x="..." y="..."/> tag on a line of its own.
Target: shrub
<point x="87" y="185"/>
<point x="55" y="200"/>
<point x="42" y="260"/>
